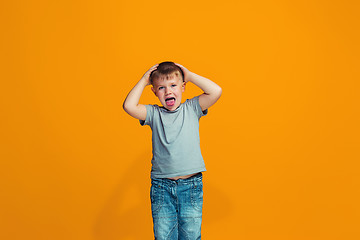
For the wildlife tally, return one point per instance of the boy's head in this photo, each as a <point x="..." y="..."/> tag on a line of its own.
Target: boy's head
<point x="166" y="70"/>
<point x="168" y="84"/>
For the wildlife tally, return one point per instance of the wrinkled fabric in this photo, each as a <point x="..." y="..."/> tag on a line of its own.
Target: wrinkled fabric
<point x="176" y="207"/>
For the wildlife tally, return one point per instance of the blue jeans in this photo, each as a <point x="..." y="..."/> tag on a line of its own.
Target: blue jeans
<point x="176" y="207"/>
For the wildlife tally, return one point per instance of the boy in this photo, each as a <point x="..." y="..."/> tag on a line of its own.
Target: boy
<point x="177" y="164"/>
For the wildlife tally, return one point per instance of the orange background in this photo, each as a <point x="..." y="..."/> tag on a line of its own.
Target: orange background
<point x="281" y="146"/>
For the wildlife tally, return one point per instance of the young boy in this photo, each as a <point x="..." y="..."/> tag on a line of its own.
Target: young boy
<point x="177" y="164"/>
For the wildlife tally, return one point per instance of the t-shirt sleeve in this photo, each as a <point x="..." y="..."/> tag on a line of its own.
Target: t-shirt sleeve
<point x="194" y="103"/>
<point x="149" y="115"/>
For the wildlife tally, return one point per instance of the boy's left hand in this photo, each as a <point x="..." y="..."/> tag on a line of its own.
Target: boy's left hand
<point x="187" y="73"/>
<point x="212" y="91"/>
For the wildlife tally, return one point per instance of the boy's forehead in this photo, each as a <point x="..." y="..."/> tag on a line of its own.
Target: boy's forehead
<point x="166" y="78"/>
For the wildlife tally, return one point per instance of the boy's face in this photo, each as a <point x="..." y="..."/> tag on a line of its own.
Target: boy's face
<point x="169" y="91"/>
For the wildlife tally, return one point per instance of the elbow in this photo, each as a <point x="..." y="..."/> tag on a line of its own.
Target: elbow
<point x="219" y="92"/>
<point x="215" y="93"/>
<point x="126" y="107"/>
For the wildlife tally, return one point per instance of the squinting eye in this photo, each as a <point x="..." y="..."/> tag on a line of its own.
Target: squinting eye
<point x="173" y="85"/>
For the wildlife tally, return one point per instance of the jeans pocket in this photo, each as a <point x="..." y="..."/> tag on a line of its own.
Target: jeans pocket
<point x="157" y="198"/>
<point x="197" y="196"/>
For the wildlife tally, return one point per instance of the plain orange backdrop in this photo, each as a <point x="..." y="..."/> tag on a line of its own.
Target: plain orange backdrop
<point x="281" y="145"/>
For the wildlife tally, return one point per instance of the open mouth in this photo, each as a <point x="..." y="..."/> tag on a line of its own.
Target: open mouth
<point x="170" y="101"/>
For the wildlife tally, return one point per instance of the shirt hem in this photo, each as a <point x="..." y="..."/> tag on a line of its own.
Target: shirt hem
<point x="178" y="174"/>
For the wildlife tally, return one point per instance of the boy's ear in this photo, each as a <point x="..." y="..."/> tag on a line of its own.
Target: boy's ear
<point x="152" y="88"/>
<point x="183" y="86"/>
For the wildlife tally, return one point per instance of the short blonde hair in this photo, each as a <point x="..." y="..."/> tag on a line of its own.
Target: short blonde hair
<point x="166" y="70"/>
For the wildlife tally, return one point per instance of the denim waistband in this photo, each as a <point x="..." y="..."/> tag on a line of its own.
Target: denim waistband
<point x="196" y="178"/>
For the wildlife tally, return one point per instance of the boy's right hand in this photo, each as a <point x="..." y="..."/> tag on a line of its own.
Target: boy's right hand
<point x="146" y="76"/>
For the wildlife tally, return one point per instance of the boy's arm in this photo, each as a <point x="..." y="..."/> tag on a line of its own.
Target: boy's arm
<point x="212" y="91"/>
<point x="131" y="104"/>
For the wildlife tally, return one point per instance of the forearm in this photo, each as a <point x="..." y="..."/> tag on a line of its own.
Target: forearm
<point x="208" y="86"/>
<point x="131" y="103"/>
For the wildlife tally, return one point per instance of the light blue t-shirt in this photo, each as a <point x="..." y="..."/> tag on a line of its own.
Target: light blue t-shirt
<point x="175" y="139"/>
